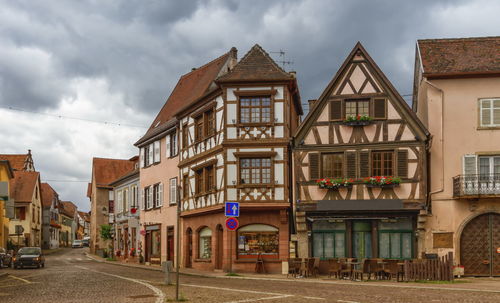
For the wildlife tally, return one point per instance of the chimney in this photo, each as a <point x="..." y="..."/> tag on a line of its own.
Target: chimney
<point x="293" y="73"/>
<point x="311" y="102"/>
<point x="193" y="69"/>
<point x="233" y="53"/>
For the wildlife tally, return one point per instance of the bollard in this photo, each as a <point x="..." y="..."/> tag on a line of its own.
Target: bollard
<point x="167" y="269"/>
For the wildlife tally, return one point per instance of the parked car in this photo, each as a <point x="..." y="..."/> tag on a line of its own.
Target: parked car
<point x="5" y="258"/>
<point x="77" y="244"/>
<point x="85" y="242"/>
<point x="29" y="256"/>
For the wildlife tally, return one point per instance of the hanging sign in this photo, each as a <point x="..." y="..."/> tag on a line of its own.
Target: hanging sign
<point x="232" y="223"/>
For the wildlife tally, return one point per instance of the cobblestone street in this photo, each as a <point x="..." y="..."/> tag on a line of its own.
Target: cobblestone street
<point x="70" y="276"/>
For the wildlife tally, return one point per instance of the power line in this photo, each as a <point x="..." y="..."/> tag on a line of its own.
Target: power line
<point x="70" y="118"/>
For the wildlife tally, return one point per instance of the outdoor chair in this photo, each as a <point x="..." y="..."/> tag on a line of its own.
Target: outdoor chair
<point x="376" y="268"/>
<point x="333" y="268"/>
<point x="392" y="269"/>
<point x="360" y="269"/>
<point x="293" y="267"/>
<point x="346" y="267"/>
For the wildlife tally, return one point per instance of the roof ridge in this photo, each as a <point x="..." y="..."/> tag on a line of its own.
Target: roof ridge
<point x="111" y="159"/>
<point x="257" y="46"/>
<point x="203" y="66"/>
<point x="458" y="39"/>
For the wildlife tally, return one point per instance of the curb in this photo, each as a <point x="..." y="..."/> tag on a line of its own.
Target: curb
<point x="3" y="274"/>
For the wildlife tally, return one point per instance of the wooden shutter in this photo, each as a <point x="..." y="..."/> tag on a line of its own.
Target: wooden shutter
<point x="160" y="194"/>
<point x="157" y="151"/>
<point x="141" y="158"/>
<point x="364" y="164"/>
<point x="314" y="166"/>
<point x="142" y="202"/>
<point x="350" y="164"/>
<point x="336" y="110"/>
<point x="402" y="163"/>
<point x="470" y="165"/>
<point x="379" y="108"/>
<point x="167" y="143"/>
<point x="150" y="154"/>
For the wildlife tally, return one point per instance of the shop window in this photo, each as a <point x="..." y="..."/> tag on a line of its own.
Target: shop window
<point x="205" y="248"/>
<point x="258" y="239"/>
<point x="395" y="239"/>
<point x="155" y="243"/>
<point x="329" y="239"/>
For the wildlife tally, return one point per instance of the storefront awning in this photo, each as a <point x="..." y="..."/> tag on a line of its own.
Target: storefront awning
<point x="353" y="205"/>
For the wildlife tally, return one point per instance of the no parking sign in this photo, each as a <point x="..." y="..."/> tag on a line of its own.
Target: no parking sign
<point x="232" y="223"/>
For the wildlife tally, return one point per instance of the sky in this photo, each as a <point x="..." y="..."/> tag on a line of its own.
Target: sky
<point x="83" y="79"/>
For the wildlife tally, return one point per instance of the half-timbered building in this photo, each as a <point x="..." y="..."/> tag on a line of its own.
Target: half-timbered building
<point x="359" y="168"/>
<point x="235" y="146"/>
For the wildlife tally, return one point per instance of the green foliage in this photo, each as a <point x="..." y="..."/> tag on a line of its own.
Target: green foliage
<point x="106" y="232"/>
<point x="10" y="245"/>
<point x="232" y="274"/>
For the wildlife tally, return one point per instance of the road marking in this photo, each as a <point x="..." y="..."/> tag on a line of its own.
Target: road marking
<point x="20" y="279"/>
<point x="313" y="298"/>
<point x="261" y="299"/>
<point x="347" y="301"/>
<point x="79" y="259"/>
<point x="237" y="290"/>
<point x="160" y="296"/>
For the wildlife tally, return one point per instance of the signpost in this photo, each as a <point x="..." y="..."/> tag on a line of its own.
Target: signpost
<point x="232" y="209"/>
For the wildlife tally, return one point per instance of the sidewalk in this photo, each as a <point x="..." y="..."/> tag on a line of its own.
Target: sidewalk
<point x="463" y="284"/>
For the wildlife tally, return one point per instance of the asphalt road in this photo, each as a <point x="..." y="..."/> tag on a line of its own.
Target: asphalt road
<point x="69" y="276"/>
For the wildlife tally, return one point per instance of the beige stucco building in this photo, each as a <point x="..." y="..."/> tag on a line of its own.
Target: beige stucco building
<point x="457" y="96"/>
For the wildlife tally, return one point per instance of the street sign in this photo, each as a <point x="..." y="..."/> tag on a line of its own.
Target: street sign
<point x="232" y="223"/>
<point x="232" y="209"/>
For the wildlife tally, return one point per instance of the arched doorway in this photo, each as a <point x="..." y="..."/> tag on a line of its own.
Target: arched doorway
<point x="189" y="248"/>
<point x="480" y="246"/>
<point x="220" y="247"/>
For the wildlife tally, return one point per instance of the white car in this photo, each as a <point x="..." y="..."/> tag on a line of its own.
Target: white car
<point x="77" y="244"/>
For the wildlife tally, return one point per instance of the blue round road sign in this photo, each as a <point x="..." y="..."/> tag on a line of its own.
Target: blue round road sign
<point x="232" y="223"/>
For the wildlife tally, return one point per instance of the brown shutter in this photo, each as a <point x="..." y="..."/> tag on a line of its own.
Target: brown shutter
<point x="364" y="164"/>
<point x="336" y="110"/>
<point x="403" y="163"/>
<point x="379" y="108"/>
<point x="314" y="166"/>
<point x="350" y="164"/>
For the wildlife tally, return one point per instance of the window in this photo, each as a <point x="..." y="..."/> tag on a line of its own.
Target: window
<point x="255" y="109"/>
<point x="489" y="112"/>
<point x="329" y="239"/>
<point x="173" y="191"/>
<point x="205" y="180"/>
<point x="125" y="200"/>
<point x="134" y="197"/>
<point x="157" y="195"/>
<point x="146" y="156"/>
<point x="210" y="123"/>
<point x="357" y="107"/>
<point x="198" y="128"/>
<point x="148" y="196"/>
<point x="205" y="248"/>
<point x="185" y="186"/>
<point x="185" y="135"/>
<point x="258" y="239"/>
<point x="395" y="239"/>
<point x="255" y="170"/>
<point x="198" y="181"/>
<point x="332" y="165"/>
<point x="155" y="243"/>
<point x="119" y="198"/>
<point x="156" y="153"/>
<point x="210" y="178"/>
<point x="173" y="145"/>
<point x="33" y="214"/>
<point x="382" y="163"/>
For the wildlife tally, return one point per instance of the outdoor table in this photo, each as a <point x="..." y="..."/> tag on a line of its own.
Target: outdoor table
<point x="351" y="266"/>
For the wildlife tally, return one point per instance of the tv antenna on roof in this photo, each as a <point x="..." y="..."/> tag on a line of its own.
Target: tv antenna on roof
<point x="282" y="57"/>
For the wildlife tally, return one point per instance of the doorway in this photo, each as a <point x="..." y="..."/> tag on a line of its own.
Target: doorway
<point x="362" y="239"/>
<point x="170" y="243"/>
<point x="480" y="246"/>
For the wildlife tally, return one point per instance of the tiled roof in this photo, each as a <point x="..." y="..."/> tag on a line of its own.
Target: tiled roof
<point x="68" y="208"/>
<point x="127" y="175"/>
<point x="23" y="185"/>
<point x="16" y="161"/>
<point x="89" y="190"/>
<point x="189" y="88"/>
<point x="48" y="194"/>
<point x="460" y="56"/>
<point x="256" y="65"/>
<point x="107" y="170"/>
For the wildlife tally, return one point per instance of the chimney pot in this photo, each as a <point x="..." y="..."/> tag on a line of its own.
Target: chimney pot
<point x="311" y="102"/>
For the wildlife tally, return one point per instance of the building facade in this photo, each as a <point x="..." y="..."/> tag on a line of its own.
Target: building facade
<point x="51" y="227"/>
<point x="235" y="148"/>
<point x="6" y="203"/>
<point x="457" y="96"/>
<point x="360" y="161"/>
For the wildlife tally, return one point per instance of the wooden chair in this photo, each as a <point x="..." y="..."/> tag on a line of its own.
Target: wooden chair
<point x="376" y="268"/>
<point x="333" y="268"/>
<point x="313" y="266"/>
<point x="346" y="267"/>
<point x="294" y="267"/>
<point x="392" y="269"/>
<point x="259" y="265"/>
<point x="360" y="269"/>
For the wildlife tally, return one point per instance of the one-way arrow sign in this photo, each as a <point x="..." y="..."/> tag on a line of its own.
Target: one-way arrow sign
<point x="232" y="209"/>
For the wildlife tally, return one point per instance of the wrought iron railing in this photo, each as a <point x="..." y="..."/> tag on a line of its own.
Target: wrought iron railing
<point x="476" y="185"/>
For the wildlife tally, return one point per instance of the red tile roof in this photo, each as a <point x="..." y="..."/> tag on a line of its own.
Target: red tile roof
<point x="106" y="171"/>
<point x="48" y="194"/>
<point x="23" y="184"/>
<point x="89" y="190"/>
<point x="460" y="56"/>
<point x="68" y="208"/>
<point x="16" y="161"/>
<point x="189" y="89"/>
<point x="256" y="65"/>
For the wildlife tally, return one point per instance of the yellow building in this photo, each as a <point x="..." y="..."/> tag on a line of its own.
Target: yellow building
<point x="6" y="174"/>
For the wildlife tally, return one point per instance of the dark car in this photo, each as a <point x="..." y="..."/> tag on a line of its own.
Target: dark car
<point x="85" y="242"/>
<point x="5" y="258"/>
<point x="29" y="256"/>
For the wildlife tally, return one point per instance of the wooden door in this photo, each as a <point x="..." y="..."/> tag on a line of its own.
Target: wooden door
<point x="148" y="246"/>
<point x="479" y="242"/>
<point x="170" y="243"/>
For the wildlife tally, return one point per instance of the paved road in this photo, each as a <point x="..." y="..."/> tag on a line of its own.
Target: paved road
<point x="69" y="276"/>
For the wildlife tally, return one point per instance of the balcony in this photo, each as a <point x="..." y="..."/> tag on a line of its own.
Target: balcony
<point x="476" y="186"/>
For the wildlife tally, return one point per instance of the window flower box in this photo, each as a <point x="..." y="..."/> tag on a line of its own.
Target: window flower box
<point x="334" y="183"/>
<point x="382" y="181"/>
<point x="359" y="120"/>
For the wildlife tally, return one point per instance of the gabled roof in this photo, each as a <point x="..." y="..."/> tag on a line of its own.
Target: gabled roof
<point x="48" y="194"/>
<point x="7" y="165"/>
<point x="106" y="170"/>
<point x="18" y="161"/>
<point x="23" y="185"/>
<point x="190" y="87"/>
<point x="89" y="190"/>
<point x="256" y="65"/>
<point x="377" y="72"/>
<point x="68" y="208"/>
<point x="460" y="57"/>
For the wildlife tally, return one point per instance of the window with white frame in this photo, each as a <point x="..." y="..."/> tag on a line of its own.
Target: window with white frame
<point x="173" y="191"/>
<point x="134" y="197"/>
<point x="156" y="155"/>
<point x="119" y="197"/>
<point x="148" y="197"/>
<point x="157" y="195"/>
<point x="125" y="200"/>
<point x="489" y="112"/>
